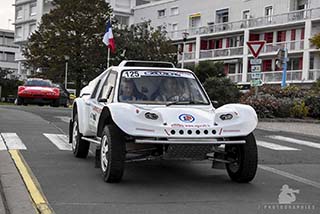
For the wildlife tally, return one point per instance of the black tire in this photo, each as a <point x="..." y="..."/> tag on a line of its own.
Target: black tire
<point x="245" y="157"/>
<point x="80" y="147"/>
<point x="19" y="101"/>
<point x="113" y="156"/>
<point x="56" y="103"/>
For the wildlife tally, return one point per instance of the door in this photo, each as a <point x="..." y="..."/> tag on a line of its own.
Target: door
<point x="102" y="96"/>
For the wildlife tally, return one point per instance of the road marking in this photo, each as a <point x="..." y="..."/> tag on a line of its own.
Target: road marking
<point x="274" y="146"/>
<point x="291" y="176"/>
<point x="64" y="119"/>
<point x="60" y="140"/>
<point x="36" y="195"/>
<point x="296" y="141"/>
<point x="2" y="145"/>
<point x="13" y="141"/>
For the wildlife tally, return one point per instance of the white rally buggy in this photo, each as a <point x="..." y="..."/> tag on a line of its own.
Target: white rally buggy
<point x="151" y="110"/>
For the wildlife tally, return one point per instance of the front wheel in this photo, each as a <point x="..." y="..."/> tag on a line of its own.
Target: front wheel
<point x="244" y="160"/>
<point x="112" y="154"/>
<point x="80" y="147"/>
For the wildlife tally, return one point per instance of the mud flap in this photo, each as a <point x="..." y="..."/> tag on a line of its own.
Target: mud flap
<point x="70" y="131"/>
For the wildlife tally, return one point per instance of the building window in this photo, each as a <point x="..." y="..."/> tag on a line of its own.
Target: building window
<point x="194" y="22"/>
<point x="267" y="65"/>
<point x="122" y="20"/>
<point x="268" y="37"/>
<point x="19" y="12"/>
<point x="9" y="41"/>
<point x="281" y="36"/>
<point x="18" y="32"/>
<point x="268" y="12"/>
<point x="174" y="11"/>
<point x="33" y="9"/>
<point x="222" y="16"/>
<point x="246" y="14"/>
<point x="32" y="28"/>
<point x="10" y="57"/>
<point x="302" y="4"/>
<point x="161" y="13"/>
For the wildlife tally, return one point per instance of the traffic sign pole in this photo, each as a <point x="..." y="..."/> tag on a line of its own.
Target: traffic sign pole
<point x="284" y="73"/>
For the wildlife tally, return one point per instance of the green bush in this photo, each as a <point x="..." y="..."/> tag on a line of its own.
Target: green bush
<point x="313" y="103"/>
<point x="222" y="89"/>
<point x="299" y="110"/>
<point x="207" y="69"/>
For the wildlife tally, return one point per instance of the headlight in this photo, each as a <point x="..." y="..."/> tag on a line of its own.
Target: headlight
<point x="226" y="117"/>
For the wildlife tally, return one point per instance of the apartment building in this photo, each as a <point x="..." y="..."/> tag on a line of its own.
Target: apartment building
<point x="219" y="30"/>
<point x="8" y="50"/>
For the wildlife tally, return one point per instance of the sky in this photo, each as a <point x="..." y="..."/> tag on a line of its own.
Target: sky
<point x="6" y="13"/>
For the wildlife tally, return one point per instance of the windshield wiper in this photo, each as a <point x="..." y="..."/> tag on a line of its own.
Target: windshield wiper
<point x="184" y="103"/>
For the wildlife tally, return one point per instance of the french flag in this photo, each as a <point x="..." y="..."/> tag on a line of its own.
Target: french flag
<point x="108" y="38"/>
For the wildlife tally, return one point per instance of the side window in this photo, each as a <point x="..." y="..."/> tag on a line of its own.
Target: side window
<point x="107" y="91"/>
<point x="94" y="93"/>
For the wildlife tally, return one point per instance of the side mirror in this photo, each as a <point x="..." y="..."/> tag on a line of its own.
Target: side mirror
<point x="85" y="94"/>
<point x="103" y="100"/>
<point x="214" y="103"/>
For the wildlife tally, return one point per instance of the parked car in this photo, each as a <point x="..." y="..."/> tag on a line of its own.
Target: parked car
<point x="142" y="113"/>
<point x="38" y="91"/>
<point x="64" y="99"/>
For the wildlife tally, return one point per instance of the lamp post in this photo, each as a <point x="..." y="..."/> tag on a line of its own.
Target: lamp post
<point x="66" y="71"/>
<point x="184" y="36"/>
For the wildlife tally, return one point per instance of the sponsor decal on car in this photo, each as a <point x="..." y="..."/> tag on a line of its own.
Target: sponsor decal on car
<point x="187" y="118"/>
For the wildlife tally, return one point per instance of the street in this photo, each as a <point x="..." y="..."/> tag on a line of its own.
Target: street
<point x="75" y="186"/>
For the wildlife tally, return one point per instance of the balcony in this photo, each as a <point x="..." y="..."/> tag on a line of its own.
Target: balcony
<point x="314" y="74"/>
<point x="187" y="56"/>
<point x="285" y="18"/>
<point x="290" y="45"/>
<point x="276" y="76"/>
<point x="226" y="52"/>
<point x="235" y="77"/>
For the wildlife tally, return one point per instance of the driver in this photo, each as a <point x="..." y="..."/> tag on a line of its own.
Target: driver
<point x="127" y="91"/>
<point x="169" y="90"/>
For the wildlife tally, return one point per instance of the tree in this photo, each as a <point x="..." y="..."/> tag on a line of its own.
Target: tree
<point x="74" y="28"/>
<point x="222" y="89"/>
<point x="207" y="69"/>
<point x="143" y="42"/>
<point x="315" y="40"/>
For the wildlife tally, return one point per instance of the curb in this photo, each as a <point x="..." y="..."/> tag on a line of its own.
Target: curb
<point x="288" y="120"/>
<point x="16" y="196"/>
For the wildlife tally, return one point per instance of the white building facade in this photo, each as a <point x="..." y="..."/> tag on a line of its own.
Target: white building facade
<point x="219" y="30"/>
<point x="8" y="50"/>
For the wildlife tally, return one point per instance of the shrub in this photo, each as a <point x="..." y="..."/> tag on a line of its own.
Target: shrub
<point x="313" y="103"/>
<point x="207" y="69"/>
<point x="299" y="110"/>
<point x="222" y="89"/>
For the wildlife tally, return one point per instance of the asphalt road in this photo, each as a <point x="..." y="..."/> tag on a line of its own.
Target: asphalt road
<point x="75" y="186"/>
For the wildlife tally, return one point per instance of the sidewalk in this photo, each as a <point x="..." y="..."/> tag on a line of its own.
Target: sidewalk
<point x="14" y="196"/>
<point x="312" y="129"/>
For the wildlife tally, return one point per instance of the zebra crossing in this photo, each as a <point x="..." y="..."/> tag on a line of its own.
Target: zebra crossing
<point x="11" y="141"/>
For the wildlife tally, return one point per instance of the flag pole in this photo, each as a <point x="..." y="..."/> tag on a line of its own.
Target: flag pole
<point x="108" y="59"/>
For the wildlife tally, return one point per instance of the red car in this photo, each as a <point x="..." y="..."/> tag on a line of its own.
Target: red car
<point x="38" y="91"/>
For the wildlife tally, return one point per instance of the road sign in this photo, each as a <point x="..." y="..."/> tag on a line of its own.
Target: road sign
<point x="255" y="68"/>
<point x="255" y="47"/>
<point x="256" y="82"/>
<point x="256" y="75"/>
<point x="255" y="61"/>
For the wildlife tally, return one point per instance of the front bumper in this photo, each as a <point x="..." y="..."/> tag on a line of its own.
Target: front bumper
<point x="189" y="141"/>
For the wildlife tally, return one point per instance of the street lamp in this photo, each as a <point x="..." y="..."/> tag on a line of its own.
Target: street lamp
<point x="66" y="71"/>
<point x="184" y="36"/>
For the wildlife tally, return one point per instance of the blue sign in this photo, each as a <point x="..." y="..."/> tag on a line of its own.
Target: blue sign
<point x="187" y="118"/>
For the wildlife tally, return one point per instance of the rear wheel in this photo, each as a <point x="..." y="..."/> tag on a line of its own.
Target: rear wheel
<point x="56" y="103"/>
<point x="19" y="101"/>
<point x="80" y="147"/>
<point x="112" y="154"/>
<point x="244" y="160"/>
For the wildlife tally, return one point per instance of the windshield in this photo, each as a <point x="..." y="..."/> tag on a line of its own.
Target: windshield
<point x="160" y="87"/>
<point x="45" y="83"/>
